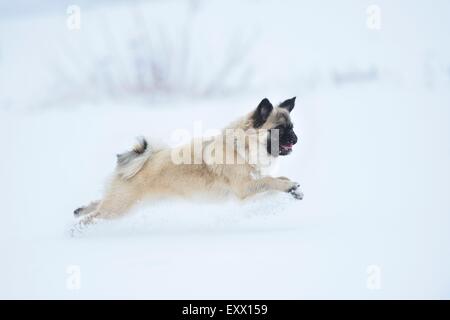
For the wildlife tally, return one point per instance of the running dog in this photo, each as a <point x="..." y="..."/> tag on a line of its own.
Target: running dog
<point x="228" y="164"/>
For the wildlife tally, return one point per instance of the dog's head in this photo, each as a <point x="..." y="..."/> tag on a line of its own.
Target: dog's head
<point x="277" y="122"/>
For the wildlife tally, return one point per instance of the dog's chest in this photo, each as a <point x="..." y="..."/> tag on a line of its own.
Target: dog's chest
<point x="268" y="169"/>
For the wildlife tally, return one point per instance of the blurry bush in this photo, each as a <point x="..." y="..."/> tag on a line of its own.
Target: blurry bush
<point x="152" y="51"/>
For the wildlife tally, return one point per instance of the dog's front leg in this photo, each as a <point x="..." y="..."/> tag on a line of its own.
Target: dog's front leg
<point x="252" y="187"/>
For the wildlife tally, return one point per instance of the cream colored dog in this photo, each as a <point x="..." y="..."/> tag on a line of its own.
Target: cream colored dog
<point x="228" y="164"/>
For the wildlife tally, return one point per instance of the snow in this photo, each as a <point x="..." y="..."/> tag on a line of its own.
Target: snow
<point x="373" y="160"/>
<point x="374" y="195"/>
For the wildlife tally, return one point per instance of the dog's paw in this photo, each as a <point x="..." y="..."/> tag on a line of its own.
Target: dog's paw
<point x="77" y="212"/>
<point x="296" y="192"/>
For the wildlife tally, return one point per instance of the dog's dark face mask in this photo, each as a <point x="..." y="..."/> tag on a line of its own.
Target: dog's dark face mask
<point x="286" y="139"/>
<point x="281" y="136"/>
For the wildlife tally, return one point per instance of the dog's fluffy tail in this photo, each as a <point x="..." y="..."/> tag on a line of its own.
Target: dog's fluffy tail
<point x="131" y="162"/>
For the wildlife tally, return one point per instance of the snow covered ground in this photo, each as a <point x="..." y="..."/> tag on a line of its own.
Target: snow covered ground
<point x="373" y="160"/>
<point x="376" y="178"/>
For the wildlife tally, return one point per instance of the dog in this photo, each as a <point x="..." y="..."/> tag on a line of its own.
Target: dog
<point x="150" y="172"/>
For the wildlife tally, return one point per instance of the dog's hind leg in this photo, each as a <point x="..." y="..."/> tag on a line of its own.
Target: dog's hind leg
<point x="116" y="203"/>
<point x="81" y="225"/>
<point x="81" y="211"/>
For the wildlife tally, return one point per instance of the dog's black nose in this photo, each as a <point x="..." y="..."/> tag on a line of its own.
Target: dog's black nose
<point x="294" y="139"/>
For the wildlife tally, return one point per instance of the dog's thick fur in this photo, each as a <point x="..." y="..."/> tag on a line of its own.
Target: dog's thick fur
<point x="149" y="172"/>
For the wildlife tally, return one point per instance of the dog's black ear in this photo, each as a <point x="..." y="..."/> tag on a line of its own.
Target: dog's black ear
<point x="262" y="112"/>
<point x="288" y="104"/>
